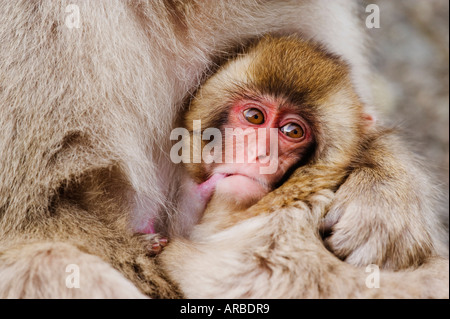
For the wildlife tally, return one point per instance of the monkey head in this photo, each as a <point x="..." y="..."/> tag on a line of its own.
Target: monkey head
<point x="283" y="103"/>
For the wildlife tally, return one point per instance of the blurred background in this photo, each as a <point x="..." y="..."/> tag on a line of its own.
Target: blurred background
<point x="411" y="61"/>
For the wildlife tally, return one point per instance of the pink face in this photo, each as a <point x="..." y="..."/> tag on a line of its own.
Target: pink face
<point x="247" y="181"/>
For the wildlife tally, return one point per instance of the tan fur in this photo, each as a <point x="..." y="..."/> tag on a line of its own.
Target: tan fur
<point x="39" y="270"/>
<point x="81" y="109"/>
<point x="384" y="212"/>
<point x="273" y="249"/>
<point x="286" y="259"/>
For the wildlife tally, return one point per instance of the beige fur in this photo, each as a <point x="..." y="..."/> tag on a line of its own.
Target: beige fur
<point x="287" y="260"/>
<point x="85" y="117"/>
<point x="273" y="249"/>
<point x="384" y="212"/>
<point x="39" y="271"/>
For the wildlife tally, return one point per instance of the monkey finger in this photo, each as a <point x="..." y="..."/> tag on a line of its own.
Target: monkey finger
<point x="155" y="238"/>
<point x="163" y="241"/>
<point x="156" y="243"/>
<point x="154" y="249"/>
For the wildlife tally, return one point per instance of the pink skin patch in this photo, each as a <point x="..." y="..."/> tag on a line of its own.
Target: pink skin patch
<point x="149" y="228"/>
<point x="244" y="182"/>
<point x="199" y="193"/>
<point x="206" y="189"/>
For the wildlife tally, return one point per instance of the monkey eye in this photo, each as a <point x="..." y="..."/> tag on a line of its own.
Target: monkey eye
<point x="293" y="130"/>
<point x="254" y="116"/>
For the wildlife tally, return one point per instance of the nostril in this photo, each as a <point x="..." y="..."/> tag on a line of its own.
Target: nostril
<point x="261" y="157"/>
<point x="264" y="158"/>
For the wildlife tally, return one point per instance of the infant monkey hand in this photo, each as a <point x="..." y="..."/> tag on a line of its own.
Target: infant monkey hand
<point x="155" y="243"/>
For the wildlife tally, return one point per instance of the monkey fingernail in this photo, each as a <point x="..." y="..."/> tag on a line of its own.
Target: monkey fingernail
<point x="163" y="242"/>
<point x="154" y="249"/>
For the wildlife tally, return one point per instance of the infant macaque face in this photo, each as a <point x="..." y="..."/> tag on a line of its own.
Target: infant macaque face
<point x="267" y="105"/>
<point x="268" y="139"/>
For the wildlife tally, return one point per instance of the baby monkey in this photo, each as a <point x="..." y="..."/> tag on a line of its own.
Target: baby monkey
<point x="312" y="159"/>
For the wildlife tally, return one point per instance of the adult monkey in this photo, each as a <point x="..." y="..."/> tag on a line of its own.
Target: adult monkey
<point x="86" y="115"/>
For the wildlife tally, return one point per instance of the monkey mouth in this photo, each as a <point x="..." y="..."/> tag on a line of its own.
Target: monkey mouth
<point x="254" y="179"/>
<point x="238" y="174"/>
<point x="226" y="175"/>
<point x="240" y="188"/>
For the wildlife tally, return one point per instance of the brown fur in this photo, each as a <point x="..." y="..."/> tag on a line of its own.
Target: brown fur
<point x="279" y="254"/>
<point x="85" y="117"/>
<point x="394" y="229"/>
<point x="277" y="251"/>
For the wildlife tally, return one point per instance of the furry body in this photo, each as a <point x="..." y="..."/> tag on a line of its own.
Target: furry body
<point x="85" y="117"/>
<point x="273" y="248"/>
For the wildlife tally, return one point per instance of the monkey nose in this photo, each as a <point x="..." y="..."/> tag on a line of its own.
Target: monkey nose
<point x="262" y="157"/>
<point x="263" y="151"/>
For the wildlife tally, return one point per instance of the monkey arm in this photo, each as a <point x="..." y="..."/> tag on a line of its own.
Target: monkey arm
<point x="384" y="213"/>
<point x="281" y="255"/>
<point x="275" y="251"/>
